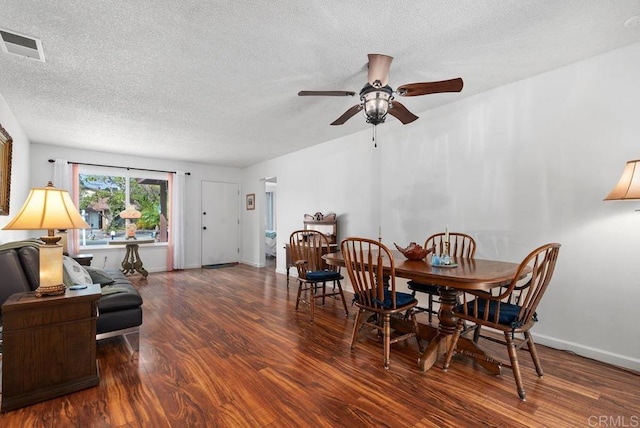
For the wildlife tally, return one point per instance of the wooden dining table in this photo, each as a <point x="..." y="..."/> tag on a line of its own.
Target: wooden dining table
<point x="463" y="275"/>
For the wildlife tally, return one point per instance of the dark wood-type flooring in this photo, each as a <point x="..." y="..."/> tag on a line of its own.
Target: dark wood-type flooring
<point x="225" y="348"/>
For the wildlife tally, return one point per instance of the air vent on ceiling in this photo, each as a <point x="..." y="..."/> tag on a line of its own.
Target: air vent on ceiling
<point x="20" y="44"/>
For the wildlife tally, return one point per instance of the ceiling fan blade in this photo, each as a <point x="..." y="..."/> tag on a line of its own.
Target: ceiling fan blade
<point x="379" y="69"/>
<point x="327" y="93"/>
<point x="401" y="113"/>
<point x="425" y="88"/>
<point x="347" y="115"/>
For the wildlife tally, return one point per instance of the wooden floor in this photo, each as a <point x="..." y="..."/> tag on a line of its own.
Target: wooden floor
<point x="225" y="348"/>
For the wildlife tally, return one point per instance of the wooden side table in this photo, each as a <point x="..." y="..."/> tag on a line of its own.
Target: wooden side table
<point x="83" y="259"/>
<point x="49" y="346"/>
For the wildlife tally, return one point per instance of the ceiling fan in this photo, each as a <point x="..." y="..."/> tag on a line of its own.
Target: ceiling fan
<point x="377" y="98"/>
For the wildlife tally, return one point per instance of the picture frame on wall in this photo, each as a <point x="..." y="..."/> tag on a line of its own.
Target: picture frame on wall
<point x="5" y="170"/>
<point x="251" y="201"/>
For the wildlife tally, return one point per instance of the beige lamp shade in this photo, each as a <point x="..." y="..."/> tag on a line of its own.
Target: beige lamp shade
<point x="47" y="208"/>
<point x="629" y="185"/>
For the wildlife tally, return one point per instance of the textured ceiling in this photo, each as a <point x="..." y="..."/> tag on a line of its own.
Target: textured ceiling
<point x="217" y="81"/>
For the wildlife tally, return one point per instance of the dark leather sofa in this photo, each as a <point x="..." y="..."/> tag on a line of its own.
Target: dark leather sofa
<point x="118" y="313"/>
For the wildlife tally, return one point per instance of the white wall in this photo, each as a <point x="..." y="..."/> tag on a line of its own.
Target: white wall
<point x="516" y="167"/>
<point x="19" y="172"/>
<point x="153" y="257"/>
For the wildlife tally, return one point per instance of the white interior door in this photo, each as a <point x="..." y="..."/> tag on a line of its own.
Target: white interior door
<point x="220" y="222"/>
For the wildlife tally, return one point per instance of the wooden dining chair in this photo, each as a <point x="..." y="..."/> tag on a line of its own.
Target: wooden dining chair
<point x="373" y="295"/>
<point x="510" y="309"/>
<point x="460" y="245"/>
<point x="307" y="248"/>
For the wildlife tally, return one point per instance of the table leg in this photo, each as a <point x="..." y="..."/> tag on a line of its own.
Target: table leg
<point x="446" y="327"/>
<point x="440" y="343"/>
<point x="137" y="263"/>
<point x="132" y="261"/>
<point x="127" y="266"/>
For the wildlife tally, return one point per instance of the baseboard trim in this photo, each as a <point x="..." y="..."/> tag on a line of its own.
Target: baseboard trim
<point x="589" y="352"/>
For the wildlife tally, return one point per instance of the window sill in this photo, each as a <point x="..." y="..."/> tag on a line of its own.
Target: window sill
<point x="121" y="244"/>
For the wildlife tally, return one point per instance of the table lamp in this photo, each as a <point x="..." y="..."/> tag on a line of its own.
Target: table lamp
<point x="48" y="208"/>
<point x="629" y="185"/>
<point x="129" y="214"/>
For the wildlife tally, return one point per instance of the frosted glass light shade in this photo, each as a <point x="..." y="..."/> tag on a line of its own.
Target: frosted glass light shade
<point x="50" y="266"/>
<point x="629" y="185"/>
<point x="376" y="106"/>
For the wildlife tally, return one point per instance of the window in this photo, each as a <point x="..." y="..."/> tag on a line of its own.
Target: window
<point x="103" y="197"/>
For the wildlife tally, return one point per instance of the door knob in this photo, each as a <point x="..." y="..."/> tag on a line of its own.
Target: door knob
<point x="204" y="227"/>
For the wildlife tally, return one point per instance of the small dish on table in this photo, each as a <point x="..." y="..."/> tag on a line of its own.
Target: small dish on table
<point x="413" y="251"/>
<point x="441" y="265"/>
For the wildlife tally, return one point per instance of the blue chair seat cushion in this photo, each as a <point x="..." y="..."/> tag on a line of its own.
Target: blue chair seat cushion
<point x="423" y="288"/>
<point x="402" y="299"/>
<point x="508" y="312"/>
<point x="324" y="275"/>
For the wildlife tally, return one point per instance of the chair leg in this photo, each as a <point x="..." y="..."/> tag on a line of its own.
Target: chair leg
<point x="416" y="329"/>
<point x="299" y="294"/>
<point x="452" y="345"/>
<point x="324" y="293"/>
<point x="430" y="308"/>
<point x="356" y="327"/>
<point x="534" y="353"/>
<point x="386" y="333"/>
<point x="312" y="301"/>
<point x="515" y="366"/>
<point x="344" y="302"/>
<point x="415" y="309"/>
<point x="476" y="334"/>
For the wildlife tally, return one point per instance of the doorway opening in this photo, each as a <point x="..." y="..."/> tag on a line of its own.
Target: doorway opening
<point x="270" y="222"/>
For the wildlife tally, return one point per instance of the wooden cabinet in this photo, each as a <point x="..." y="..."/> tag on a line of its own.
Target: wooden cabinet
<point x="49" y="346"/>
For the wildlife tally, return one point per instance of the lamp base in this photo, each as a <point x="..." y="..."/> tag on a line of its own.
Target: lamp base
<point x="51" y="276"/>
<point x="50" y="290"/>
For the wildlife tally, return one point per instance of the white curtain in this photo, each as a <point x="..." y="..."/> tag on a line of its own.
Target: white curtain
<point x="176" y="221"/>
<point x="65" y="177"/>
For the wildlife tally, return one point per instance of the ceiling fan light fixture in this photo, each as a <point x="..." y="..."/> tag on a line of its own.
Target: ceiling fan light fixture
<point x="375" y="102"/>
<point x="377" y="97"/>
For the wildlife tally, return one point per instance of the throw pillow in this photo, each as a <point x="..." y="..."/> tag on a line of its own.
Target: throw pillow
<point x="98" y="276"/>
<point x="66" y="279"/>
<point x="76" y="273"/>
